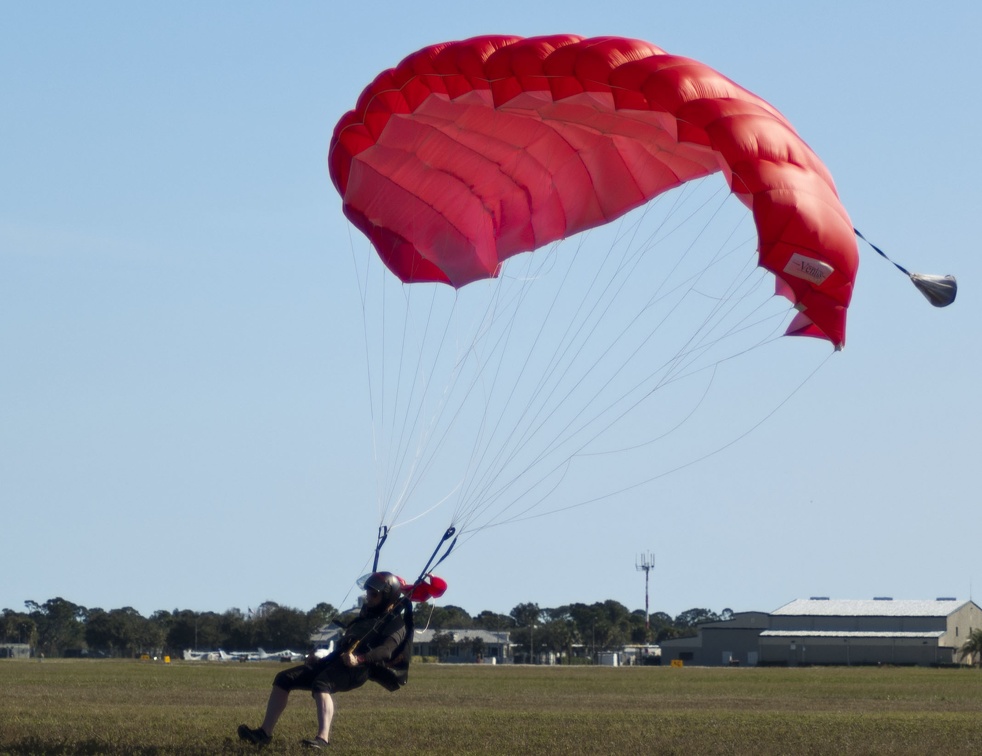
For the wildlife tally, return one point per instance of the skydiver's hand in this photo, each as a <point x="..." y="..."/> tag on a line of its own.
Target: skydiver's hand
<point x="350" y="660"/>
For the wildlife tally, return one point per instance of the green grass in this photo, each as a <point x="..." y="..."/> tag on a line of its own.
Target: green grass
<point x="131" y="707"/>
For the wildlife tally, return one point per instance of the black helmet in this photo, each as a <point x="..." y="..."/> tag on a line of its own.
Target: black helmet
<point x="387" y="585"/>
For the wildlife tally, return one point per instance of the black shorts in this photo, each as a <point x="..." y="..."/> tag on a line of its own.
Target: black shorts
<point x="327" y="675"/>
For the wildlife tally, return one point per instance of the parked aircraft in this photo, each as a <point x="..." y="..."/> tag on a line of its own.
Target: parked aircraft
<point x="243" y="656"/>
<point x="190" y="655"/>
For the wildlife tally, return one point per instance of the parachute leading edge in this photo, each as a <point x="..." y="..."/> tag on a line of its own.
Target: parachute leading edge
<point x="470" y="152"/>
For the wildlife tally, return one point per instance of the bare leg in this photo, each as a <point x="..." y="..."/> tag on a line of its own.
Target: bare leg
<point x="274" y="708"/>
<point x="325" y="714"/>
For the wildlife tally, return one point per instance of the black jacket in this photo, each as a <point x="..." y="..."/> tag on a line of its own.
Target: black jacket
<point x="381" y="639"/>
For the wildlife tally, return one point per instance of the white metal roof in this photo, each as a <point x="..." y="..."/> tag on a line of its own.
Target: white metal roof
<point x="869" y="608"/>
<point x="488" y="636"/>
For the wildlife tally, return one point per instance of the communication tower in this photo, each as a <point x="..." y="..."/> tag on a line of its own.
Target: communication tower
<point x="646" y="562"/>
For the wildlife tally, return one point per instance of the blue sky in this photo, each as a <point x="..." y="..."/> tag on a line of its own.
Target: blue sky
<point x="183" y="419"/>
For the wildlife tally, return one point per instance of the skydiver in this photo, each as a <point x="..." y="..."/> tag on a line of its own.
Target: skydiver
<point x="372" y="647"/>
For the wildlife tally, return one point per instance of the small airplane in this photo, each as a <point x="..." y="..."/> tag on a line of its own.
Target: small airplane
<point x="283" y="656"/>
<point x="190" y="655"/>
<point x="243" y="656"/>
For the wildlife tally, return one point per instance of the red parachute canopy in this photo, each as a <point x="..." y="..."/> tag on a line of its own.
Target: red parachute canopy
<point x="467" y="153"/>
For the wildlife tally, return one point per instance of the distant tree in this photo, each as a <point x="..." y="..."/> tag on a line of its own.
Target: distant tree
<point x="972" y="648"/>
<point x="617" y="624"/>
<point x="667" y="632"/>
<point x="104" y="632"/>
<point x="235" y="629"/>
<point x="689" y="619"/>
<point x="443" y="643"/>
<point x="526" y="617"/>
<point x="659" y="619"/>
<point x="450" y="617"/>
<point x="182" y="631"/>
<point x="587" y="619"/>
<point x="122" y="632"/>
<point x="251" y="632"/>
<point x="639" y="633"/>
<point x="661" y="627"/>
<point x="17" y="627"/>
<point x="603" y="625"/>
<point x="617" y="613"/>
<point x="195" y="631"/>
<point x="320" y="615"/>
<point x="559" y="635"/>
<point x="150" y="636"/>
<point x="59" y="625"/>
<point x="488" y="620"/>
<point x="476" y="645"/>
<point x="282" y="628"/>
<point x="162" y="619"/>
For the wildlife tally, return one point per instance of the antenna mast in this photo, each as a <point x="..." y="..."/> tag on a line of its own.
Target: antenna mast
<point x="646" y="562"/>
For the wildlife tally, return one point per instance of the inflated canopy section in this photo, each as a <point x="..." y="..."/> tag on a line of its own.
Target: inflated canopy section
<point x="467" y="153"/>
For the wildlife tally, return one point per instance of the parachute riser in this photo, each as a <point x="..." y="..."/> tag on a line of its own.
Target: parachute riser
<point x="432" y="564"/>
<point x="383" y="533"/>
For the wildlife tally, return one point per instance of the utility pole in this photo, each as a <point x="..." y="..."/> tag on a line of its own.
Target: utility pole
<point x="646" y="562"/>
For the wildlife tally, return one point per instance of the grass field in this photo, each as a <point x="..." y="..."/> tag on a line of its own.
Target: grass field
<point x="131" y="707"/>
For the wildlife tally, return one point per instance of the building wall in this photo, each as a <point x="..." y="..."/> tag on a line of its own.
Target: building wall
<point x="15" y="651"/>
<point x="960" y="625"/>
<point x="497" y="645"/>
<point x="739" y="641"/>
<point x="806" y="649"/>
<point x="463" y="652"/>
<point x="731" y="641"/>
<point x="737" y="646"/>
<point x="688" y="650"/>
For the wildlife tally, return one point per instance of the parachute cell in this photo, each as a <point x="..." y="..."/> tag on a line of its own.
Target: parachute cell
<point x="467" y="153"/>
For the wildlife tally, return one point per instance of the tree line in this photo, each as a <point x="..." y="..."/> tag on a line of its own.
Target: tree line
<point x="59" y="627"/>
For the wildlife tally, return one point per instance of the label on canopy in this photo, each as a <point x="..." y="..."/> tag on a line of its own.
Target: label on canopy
<point x="808" y="268"/>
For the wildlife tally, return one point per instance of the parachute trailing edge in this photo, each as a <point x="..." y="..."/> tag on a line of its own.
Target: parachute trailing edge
<point x="467" y="153"/>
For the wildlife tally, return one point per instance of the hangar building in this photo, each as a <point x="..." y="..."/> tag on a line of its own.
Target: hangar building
<point x="820" y="630"/>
